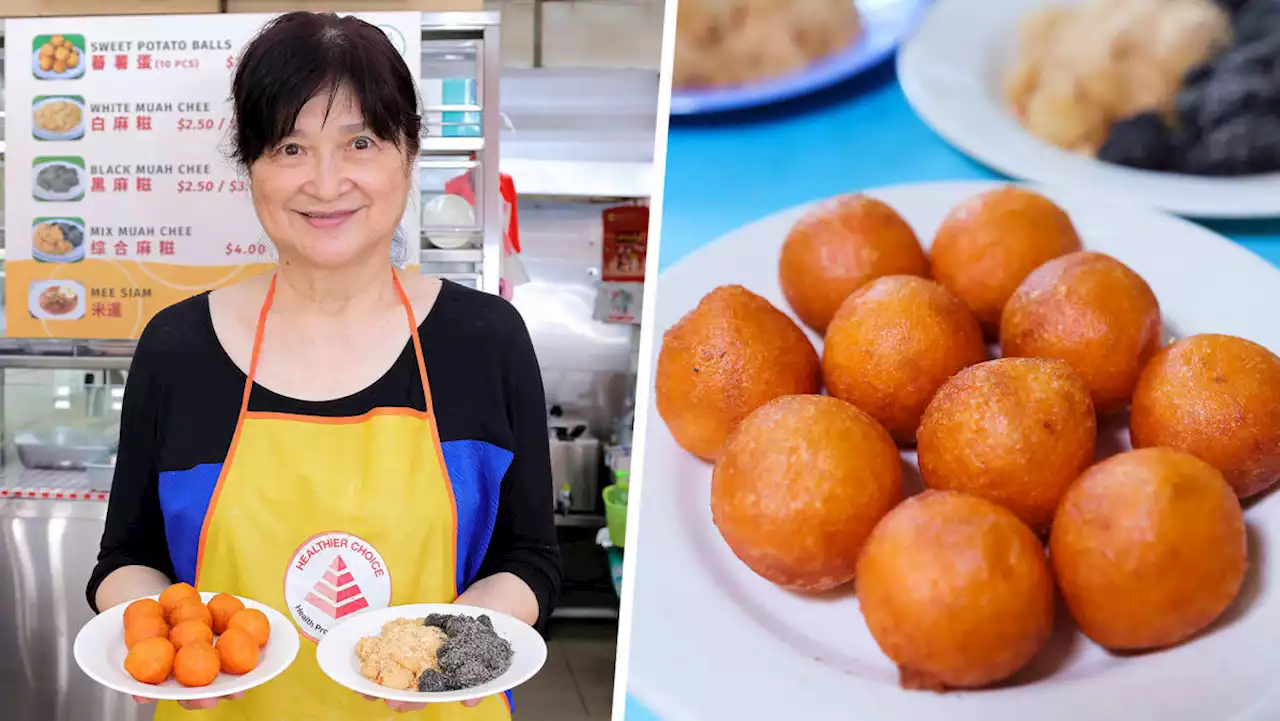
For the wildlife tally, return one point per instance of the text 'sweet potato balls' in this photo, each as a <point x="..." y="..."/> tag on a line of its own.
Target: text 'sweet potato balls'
<point x="221" y="608"/>
<point x="837" y="247"/>
<point x="893" y="343"/>
<point x="955" y="590"/>
<point x="1015" y="431"/>
<point x="727" y="357"/>
<point x="196" y="664"/>
<point x="1216" y="397"/>
<point x="988" y="244"/>
<point x="800" y="484"/>
<point x="150" y="661"/>
<point x="1148" y="548"/>
<point x="1093" y="312"/>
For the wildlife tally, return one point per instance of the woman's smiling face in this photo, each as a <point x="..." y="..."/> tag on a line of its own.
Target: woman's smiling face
<point x="331" y="193"/>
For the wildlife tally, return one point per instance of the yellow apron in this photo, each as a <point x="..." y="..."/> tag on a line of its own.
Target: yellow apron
<point x="322" y="517"/>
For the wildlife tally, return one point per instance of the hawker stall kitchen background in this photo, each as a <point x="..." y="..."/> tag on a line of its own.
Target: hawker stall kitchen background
<point x="535" y="174"/>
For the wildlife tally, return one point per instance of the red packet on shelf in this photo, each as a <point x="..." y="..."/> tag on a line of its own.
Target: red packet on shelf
<point x="626" y="238"/>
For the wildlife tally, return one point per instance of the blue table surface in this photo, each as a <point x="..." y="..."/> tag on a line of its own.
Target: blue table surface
<point x="726" y="171"/>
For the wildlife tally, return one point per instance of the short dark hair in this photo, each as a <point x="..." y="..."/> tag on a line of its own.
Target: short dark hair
<point x="299" y="55"/>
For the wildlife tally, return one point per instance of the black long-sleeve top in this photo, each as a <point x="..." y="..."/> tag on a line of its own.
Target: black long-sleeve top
<point x="182" y="399"/>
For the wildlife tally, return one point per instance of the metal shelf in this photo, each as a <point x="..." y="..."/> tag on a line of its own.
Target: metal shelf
<point x="580" y="179"/>
<point x="579" y="520"/>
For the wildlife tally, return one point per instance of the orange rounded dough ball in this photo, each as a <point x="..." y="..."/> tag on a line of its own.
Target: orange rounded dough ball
<point x="254" y="622"/>
<point x="988" y="244"/>
<point x="893" y="344"/>
<point x="221" y="608"/>
<point x="189" y="632"/>
<point x="727" y="357"/>
<point x="238" y="651"/>
<point x="802" y="482"/>
<point x="141" y="608"/>
<point x="955" y="590"/>
<point x="144" y="628"/>
<point x="1015" y="431"/>
<point x="1095" y="313"/>
<point x="196" y="664"/>
<point x="1216" y="397"/>
<point x="1148" y="548"/>
<point x="175" y="594"/>
<point x="191" y="610"/>
<point x="837" y="248"/>
<point x="150" y="661"/>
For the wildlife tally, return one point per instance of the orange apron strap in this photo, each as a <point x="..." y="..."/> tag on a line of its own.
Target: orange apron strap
<point x="417" y="342"/>
<point x="235" y="436"/>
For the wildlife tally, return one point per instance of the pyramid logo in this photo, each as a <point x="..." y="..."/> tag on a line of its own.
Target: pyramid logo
<point x="336" y="593"/>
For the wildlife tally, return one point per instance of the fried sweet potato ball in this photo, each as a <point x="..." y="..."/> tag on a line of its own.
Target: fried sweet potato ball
<point x="955" y="590"/>
<point x="1015" y="431"/>
<point x="727" y="357"/>
<point x="1148" y="548"/>
<point x="838" y="247"/>
<point x="1216" y="397"/>
<point x="893" y="343"/>
<point x="988" y="244"/>
<point x="800" y="484"/>
<point x="1093" y="312"/>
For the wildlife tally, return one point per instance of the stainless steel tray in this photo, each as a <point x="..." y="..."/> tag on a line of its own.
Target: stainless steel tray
<point x="64" y="447"/>
<point x="101" y="473"/>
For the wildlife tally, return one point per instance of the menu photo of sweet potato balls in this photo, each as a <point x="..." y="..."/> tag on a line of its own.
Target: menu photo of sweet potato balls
<point x="58" y="57"/>
<point x="991" y="361"/>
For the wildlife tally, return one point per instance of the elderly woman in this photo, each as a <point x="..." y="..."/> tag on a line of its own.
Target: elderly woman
<point x="334" y="435"/>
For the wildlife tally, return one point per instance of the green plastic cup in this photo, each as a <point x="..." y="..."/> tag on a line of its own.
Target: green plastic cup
<point x="615" y="513"/>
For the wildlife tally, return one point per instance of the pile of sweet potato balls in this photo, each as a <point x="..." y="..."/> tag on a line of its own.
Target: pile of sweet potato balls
<point x="1146" y="547"/>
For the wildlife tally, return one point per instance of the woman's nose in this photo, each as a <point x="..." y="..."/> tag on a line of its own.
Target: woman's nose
<point x="328" y="177"/>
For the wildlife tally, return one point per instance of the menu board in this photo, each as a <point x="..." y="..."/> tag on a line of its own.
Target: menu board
<point x="120" y="198"/>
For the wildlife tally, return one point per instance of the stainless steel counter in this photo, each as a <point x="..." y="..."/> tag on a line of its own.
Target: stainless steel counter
<point x="47" y="550"/>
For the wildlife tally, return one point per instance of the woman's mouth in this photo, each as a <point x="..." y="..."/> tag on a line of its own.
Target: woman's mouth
<point x="328" y="220"/>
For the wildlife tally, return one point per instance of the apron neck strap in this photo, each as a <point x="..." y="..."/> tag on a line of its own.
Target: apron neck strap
<point x="262" y="327"/>
<point x="413" y="334"/>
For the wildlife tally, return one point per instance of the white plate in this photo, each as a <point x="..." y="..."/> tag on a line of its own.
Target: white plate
<point x="951" y="71"/>
<point x="336" y="652"/>
<point x="100" y="652"/>
<point x="70" y="74"/>
<point x="448" y="211"/>
<point x="77" y="252"/>
<point x="711" y="640"/>
<point x="33" y="303"/>
<point x="73" y="134"/>
<point x="75" y="193"/>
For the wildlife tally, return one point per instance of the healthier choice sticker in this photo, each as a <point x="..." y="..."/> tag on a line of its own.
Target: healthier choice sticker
<point x="331" y="576"/>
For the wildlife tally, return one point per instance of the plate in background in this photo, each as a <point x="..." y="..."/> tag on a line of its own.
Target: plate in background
<point x="885" y="24"/>
<point x="712" y="640"/>
<point x="950" y="71"/>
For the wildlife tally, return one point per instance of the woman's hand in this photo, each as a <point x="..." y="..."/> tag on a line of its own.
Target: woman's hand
<point x="405" y="707"/>
<point x="197" y="704"/>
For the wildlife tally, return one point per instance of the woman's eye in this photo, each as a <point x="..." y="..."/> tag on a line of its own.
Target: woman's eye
<point x="362" y="143"/>
<point x="290" y="149"/>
